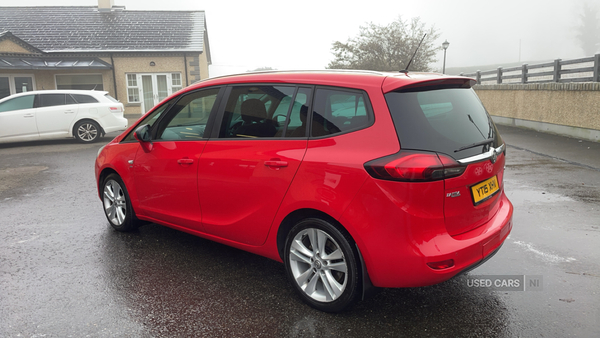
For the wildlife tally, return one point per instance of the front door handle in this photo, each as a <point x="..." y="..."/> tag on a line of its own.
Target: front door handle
<point x="185" y="161"/>
<point x="28" y="115"/>
<point x="276" y="163"/>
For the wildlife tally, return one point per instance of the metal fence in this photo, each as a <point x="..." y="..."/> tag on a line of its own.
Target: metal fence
<point x="559" y="71"/>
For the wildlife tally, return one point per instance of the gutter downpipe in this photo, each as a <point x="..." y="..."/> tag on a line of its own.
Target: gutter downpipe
<point x="112" y="62"/>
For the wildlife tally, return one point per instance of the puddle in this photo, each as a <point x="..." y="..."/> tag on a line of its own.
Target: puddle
<point x="11" y="178"/>
<point x="524" y="194"/>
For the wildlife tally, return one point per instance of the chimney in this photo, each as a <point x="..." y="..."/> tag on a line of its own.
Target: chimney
<point x="105" y="5"/>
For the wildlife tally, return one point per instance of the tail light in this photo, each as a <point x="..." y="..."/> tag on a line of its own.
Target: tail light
<point x="414" y="166"/>
<point x="115" y="109"/>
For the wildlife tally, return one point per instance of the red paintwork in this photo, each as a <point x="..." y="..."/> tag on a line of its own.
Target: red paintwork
<point x="238" y="192"/>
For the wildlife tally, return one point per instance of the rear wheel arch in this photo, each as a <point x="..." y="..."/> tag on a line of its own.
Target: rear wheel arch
<point x="296" y="216"/>
<point x="88" y="120"/>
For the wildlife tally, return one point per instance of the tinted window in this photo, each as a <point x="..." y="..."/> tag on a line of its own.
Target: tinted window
<point x="49" y="100"/>
<point x="18" y="103"/>
<point x="296" y="121"/>
<point x="81" y="98"/>
<point x="256" y="111"/>
<point x="442" y="120"/>
<point x="188" y="117"/>
<point x="337" y="111"/>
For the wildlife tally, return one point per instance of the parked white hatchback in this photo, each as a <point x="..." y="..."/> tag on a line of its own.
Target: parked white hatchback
<point x="51" y="114"/>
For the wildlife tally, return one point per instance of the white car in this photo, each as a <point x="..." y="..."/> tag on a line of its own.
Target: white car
<point x="51" y="114"/>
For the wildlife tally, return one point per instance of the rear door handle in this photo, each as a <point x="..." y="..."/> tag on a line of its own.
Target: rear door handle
<point x="185" y="161"/>
<point x="276" y="163"/>
<point x="69" y="111"/>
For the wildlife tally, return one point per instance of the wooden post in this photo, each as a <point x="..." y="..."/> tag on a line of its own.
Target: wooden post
<point x="524" y="74"/>
<point x="499" y="76"/>
<point x="478" y="77"/>
<point x="556" y="77"/>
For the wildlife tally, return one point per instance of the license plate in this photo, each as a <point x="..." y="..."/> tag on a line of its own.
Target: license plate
<point x="484" y="190"/>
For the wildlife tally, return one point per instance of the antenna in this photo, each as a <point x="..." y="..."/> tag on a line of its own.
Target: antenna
<point x="405" y="70"/>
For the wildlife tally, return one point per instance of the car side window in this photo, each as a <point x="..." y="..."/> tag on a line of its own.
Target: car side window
<point x="49" y="100"/>
<point x="338" y="111"/>
<point x="186" y="120"/>
<point x="256" y="111"/>
<point x="82" y="98"/>
<point x="151" y="119"/>
<point x="18" y="103"/>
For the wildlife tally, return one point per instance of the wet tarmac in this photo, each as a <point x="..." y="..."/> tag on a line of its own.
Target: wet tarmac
<point x="65" y="273"/>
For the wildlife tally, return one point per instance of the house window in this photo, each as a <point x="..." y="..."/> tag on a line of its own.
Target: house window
<point x="80" y="81"/>
<point x="176" y="81"/>
<point x="18" y="83"/>
<point x="151" y="88"/>
<point x="133" y="92"/>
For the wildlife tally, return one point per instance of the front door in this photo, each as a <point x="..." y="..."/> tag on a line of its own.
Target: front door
<point x="166" y="176"/>
<point x="17" y="119"/>
<point x="155" y="88"/>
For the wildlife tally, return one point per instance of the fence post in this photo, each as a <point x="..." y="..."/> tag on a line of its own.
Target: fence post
<point x="478" y="77"/>
<point x="524" y="71"/>
<point x="499" y="76"/>
<point x="556" y="70"/>
<point x="596" y="68"/>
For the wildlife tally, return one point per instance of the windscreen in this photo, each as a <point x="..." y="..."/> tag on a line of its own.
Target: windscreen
<point x="451" y="121"/>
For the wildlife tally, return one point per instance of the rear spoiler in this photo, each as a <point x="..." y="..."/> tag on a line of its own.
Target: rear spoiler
<point x="393" y="85"/>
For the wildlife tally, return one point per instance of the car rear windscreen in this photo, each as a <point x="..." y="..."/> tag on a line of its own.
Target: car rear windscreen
<point x="450" y="121"/>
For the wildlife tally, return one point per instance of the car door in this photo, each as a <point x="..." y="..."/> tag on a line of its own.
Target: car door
<point x="17" y="119"/>
<point x="166" y="176"/>
<point x="55" y="114"/>
<point x="245" y="172"/>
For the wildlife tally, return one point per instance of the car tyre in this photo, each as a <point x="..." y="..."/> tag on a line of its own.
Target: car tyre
<point x="117" y="205"/>
<point x="87" y="131"/>
<point x="321" y="263"/>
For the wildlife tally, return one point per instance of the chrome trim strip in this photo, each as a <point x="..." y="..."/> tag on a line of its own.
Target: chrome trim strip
<point x="483" y="156"/>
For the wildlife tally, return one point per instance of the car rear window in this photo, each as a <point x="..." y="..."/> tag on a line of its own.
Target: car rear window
<point x="442" y="120"/>
<point x="110" y="98"/>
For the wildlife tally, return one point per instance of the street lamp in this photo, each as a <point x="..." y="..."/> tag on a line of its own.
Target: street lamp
<point x="445" y="46"/>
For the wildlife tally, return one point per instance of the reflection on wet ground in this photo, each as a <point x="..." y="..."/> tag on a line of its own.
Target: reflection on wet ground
<point x="174" y="282"/>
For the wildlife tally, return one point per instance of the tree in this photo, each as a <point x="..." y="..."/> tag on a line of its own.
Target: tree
<point x="387" y="48"/>
<point x="589" y="30"/>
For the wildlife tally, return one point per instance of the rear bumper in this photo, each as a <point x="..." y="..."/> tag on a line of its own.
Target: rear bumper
<point x="114" y="123"/>
<point x="397" y="244"/>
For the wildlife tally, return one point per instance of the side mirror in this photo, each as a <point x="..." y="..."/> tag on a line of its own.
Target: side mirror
<point x="142" y="134"/>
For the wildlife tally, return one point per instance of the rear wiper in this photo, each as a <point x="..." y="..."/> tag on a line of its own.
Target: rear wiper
<point x="476" y="144"/>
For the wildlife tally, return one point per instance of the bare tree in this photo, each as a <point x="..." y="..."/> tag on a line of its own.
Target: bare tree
<point x="589" y="30"/>
<point x="387" y="48"/>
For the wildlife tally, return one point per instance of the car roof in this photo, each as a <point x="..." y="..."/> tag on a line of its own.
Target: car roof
<point x="387" y="81"/>
<point x="58" y="91"/>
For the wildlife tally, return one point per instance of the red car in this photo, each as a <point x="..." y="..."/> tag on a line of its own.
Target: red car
<point x="352" y="179"/>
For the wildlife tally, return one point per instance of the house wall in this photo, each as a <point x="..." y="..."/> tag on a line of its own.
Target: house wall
<point x="163" y="63"/>
<point x="7" y="46"/>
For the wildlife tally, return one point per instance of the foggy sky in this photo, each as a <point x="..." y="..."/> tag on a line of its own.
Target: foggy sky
<point x="245" y="35"/>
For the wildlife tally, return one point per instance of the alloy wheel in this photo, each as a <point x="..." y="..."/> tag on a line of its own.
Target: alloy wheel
<point x="318" y="265"/>
<point x="115" y="202"/>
